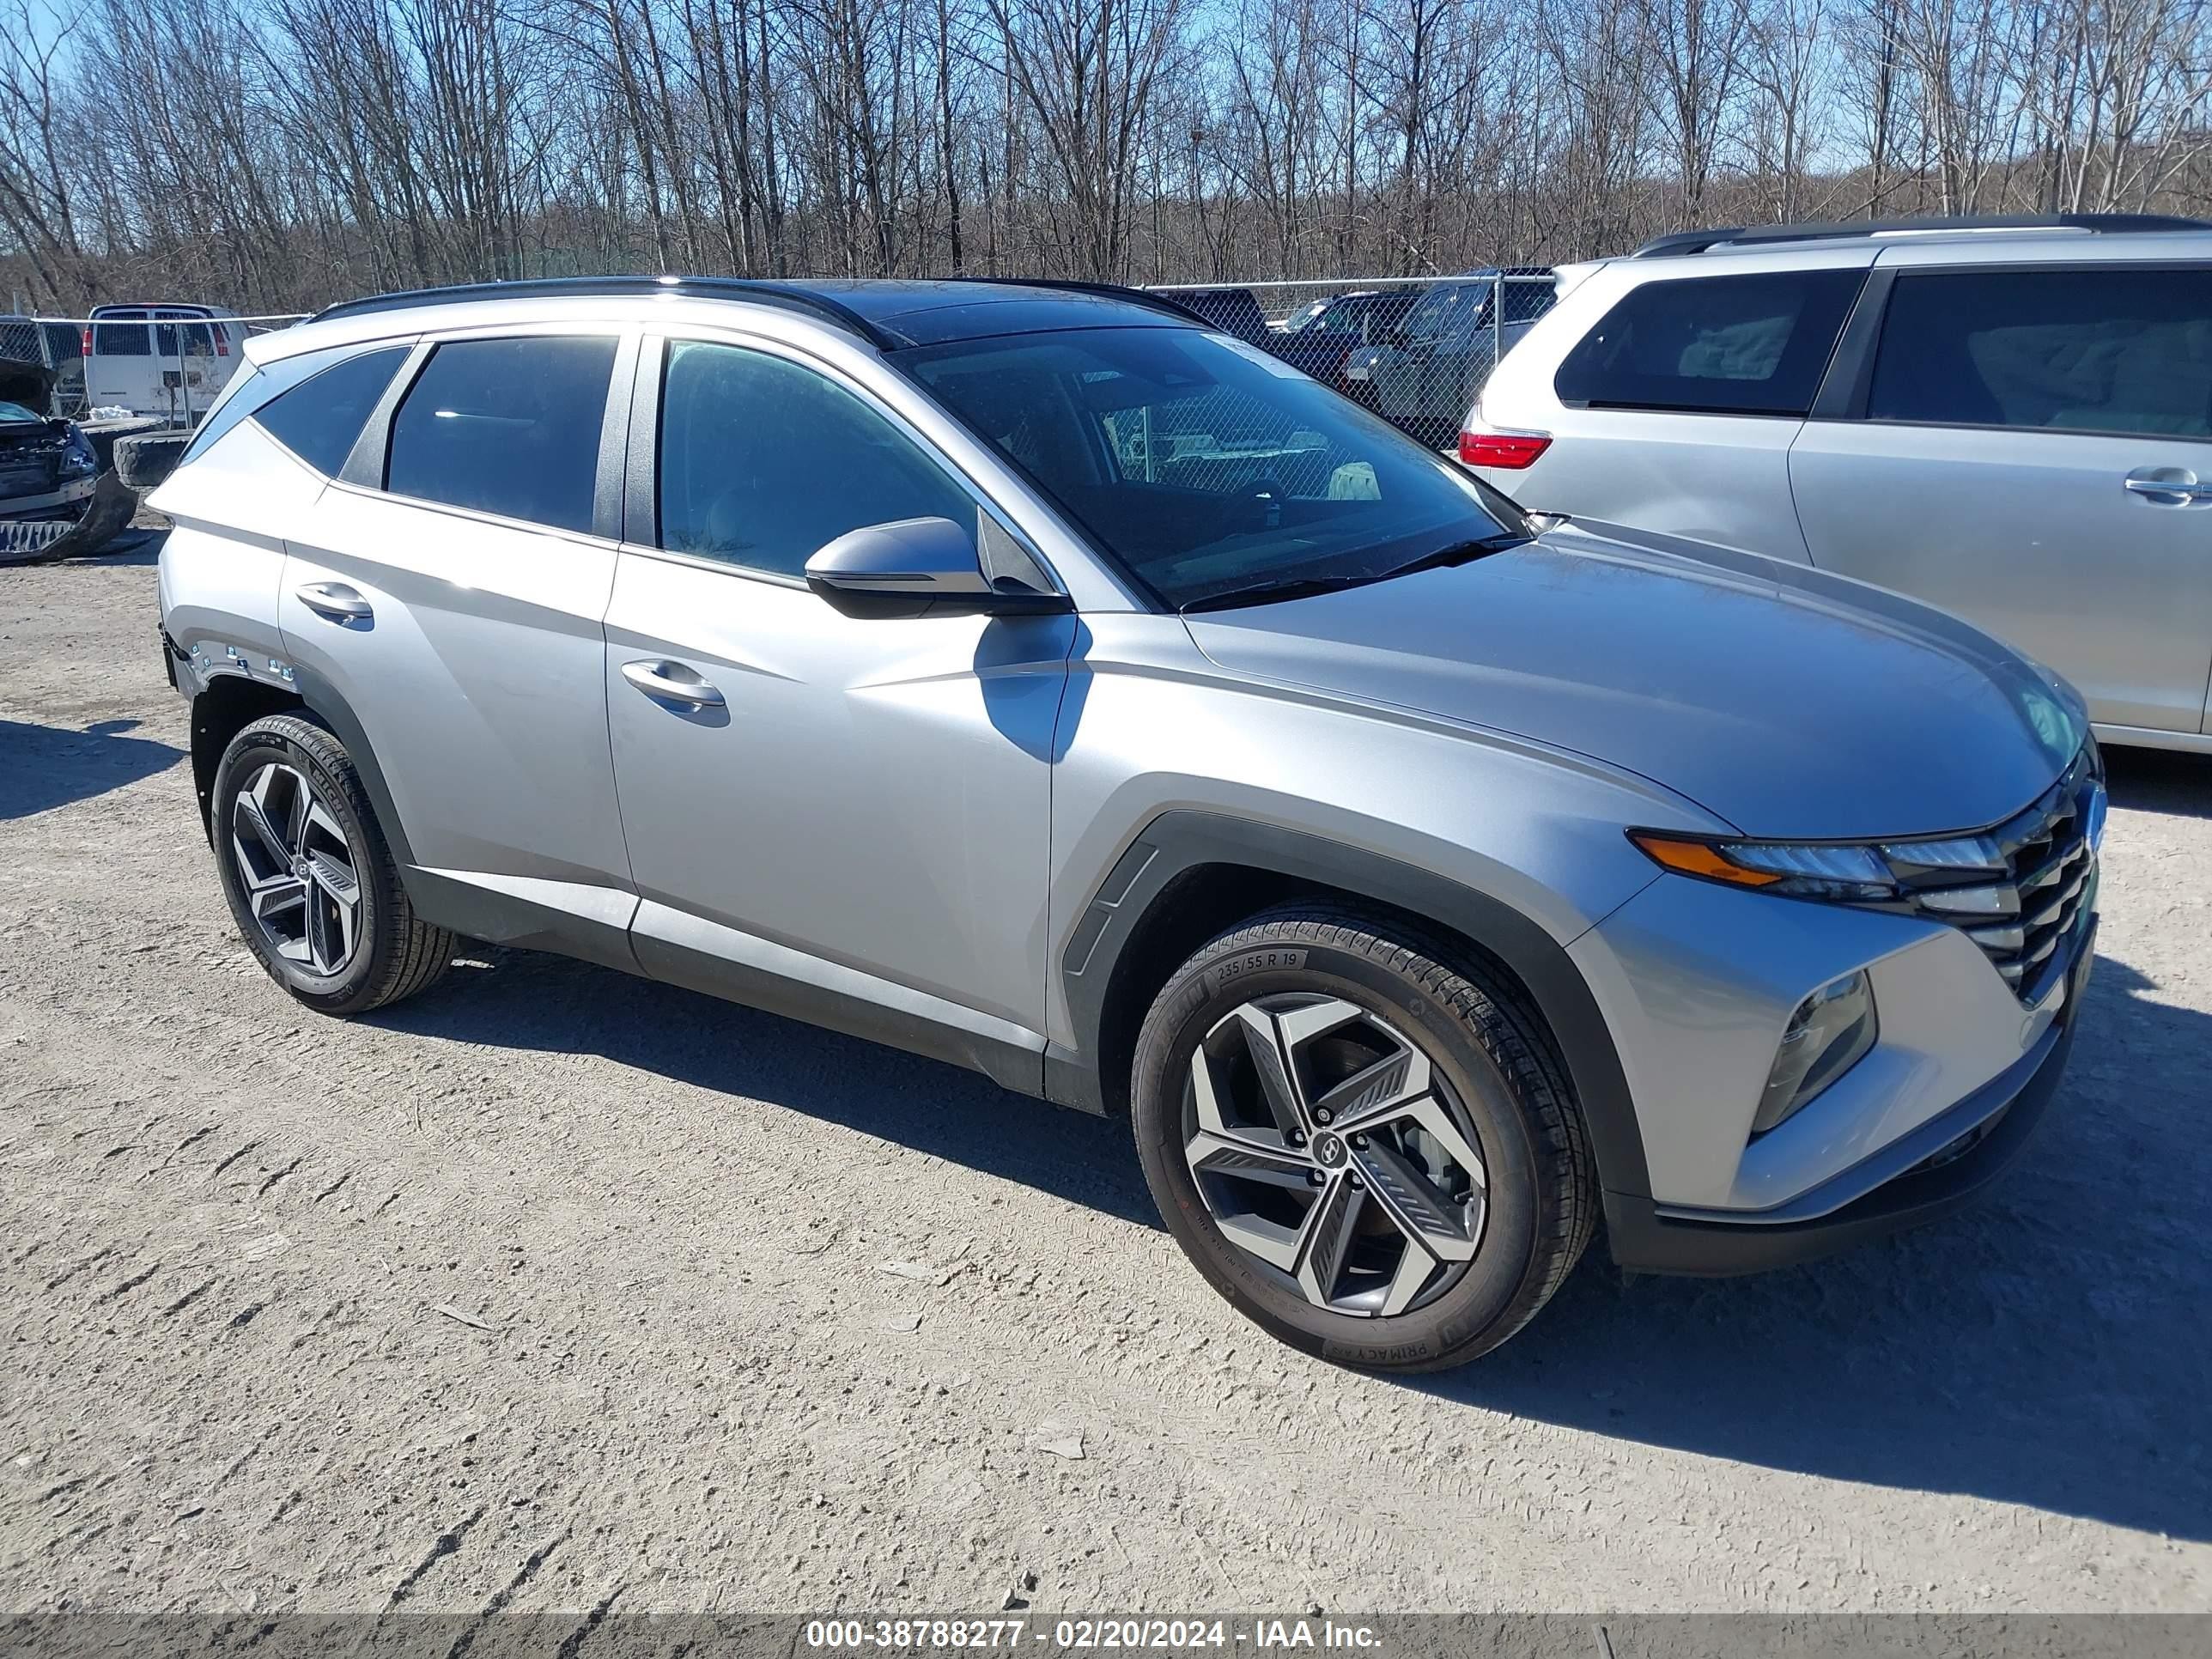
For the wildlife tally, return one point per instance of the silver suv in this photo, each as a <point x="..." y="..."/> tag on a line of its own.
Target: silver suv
<point x="2008" y="418"/>
<point x="1028" y="677"/>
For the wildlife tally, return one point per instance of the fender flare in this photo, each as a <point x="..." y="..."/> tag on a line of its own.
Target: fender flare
<point x="1179" y="840"/>
<point x="321" y="699"/>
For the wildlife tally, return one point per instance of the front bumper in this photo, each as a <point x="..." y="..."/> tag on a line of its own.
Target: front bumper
<point x="1922" y="1176"/>
<point x="68" y="502"/>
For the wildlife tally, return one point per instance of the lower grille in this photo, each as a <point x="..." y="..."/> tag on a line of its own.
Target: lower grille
<point x="2019" y="890"/>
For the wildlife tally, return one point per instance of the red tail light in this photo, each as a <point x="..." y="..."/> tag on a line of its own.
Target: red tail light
<point x="1510" y="450"/>
<point x="221" y="332"/>
<point x="85" y="349"/>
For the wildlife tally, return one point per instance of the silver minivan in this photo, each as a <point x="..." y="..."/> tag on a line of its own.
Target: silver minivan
<point x="2010" y="419"/>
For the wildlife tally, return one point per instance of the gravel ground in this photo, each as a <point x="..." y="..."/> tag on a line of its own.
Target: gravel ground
<point x="559" y="1286"/>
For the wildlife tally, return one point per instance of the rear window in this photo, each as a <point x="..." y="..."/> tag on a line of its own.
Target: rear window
<point x="120" y="339"/>
<point x="318" y="419"/>
<point x="2116" y="349"/>
<point x="510" y="427"/>
<point x="1722" y="345"/>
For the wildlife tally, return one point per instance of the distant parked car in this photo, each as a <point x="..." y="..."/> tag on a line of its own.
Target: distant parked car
<point x="1423" y="375"/>
<point x="1320" y="338"/>
<point x="2010" y="419"/>
<point x="47" y="466"/>
<point x="167" y="360"/>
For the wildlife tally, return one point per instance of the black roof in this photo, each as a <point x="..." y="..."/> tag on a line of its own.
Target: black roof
<point x="1698" y="241"/>
<point x="888" y="313"/>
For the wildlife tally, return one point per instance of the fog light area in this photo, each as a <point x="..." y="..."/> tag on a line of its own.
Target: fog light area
<point x="1829" y="1033"/>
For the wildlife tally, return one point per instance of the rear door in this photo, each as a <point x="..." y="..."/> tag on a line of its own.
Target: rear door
<point x="121" y="371"/>
<point x="1675" y="410"/>
<point x="447" y="588"/>
<point x="2031" y="446"/>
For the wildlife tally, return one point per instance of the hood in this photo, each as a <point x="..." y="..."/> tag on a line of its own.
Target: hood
<point x="1791" y="704"/>
<point x="25" y="382"/>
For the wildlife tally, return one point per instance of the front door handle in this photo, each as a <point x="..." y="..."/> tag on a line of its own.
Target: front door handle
<point x="336" y="602"/>
<point x="671" y="682"/>
<point x="2169" y="486"/>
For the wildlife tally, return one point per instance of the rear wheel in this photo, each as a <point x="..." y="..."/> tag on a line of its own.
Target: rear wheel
<point x="1366" y="1144"/>
<point x="310" y="880"/>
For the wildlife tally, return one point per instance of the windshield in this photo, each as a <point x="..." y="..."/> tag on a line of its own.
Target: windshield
<point x="1443" y="309"/>
<point x="11" y="414"/>
<point x="1203" y="464"/>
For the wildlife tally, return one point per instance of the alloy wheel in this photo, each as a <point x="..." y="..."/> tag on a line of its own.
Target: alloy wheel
<point x="299" y="872"/>
<point x="1329" y="1150"/>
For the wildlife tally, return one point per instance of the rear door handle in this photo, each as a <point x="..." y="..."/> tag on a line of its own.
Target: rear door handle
<point x="336" y="602"/>
<point x="671" y="682"/>
<point x="2168" y="485"/>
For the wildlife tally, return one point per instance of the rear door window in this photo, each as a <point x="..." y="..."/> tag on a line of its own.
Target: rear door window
<point x="510" y="427"/>
<point x="2118" y="349"/>
<point x="1723" y="345"/>
<point x="318" y="419"/>
<point x="121" y="338"/>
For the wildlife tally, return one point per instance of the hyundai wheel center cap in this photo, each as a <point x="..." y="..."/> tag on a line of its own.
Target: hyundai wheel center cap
<point x="1329" y="1150"/>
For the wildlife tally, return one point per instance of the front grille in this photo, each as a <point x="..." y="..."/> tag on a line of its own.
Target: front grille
<point x="2018" y="890"/>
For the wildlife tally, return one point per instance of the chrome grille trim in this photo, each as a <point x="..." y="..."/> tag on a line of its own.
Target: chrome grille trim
<point x="2022" y="921"/>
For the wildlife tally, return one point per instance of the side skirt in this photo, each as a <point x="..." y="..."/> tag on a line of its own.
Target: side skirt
<point x="685" y="950"/>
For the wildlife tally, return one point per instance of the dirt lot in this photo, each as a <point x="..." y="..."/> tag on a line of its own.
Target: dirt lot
<point x="559" y="1286"/>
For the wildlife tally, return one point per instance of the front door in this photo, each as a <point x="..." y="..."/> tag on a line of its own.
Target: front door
<point x="2036" y="456"/>
<point x="842" y="820"/>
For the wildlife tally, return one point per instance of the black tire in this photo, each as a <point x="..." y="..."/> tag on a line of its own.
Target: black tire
<point x="1485" y="1042"/>
<point x="395" y="954"/>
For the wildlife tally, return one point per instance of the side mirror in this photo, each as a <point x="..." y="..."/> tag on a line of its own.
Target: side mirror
<point x="930" y="567"/>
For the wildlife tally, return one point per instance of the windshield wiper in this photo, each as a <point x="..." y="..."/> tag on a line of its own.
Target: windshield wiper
<point x="1460" y="553"/>
<point x="1277" y="590"/>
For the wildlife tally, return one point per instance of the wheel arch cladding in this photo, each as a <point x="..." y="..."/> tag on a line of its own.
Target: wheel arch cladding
<point x="229" y="704"/>
<point x="1189" y="875"/>
<point x="232" y="703"/>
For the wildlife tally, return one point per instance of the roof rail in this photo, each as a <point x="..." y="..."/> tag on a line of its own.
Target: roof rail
<point x="783" y="294"/>
<point x="1135" y="296"/>
<point x="1700" y="241"/>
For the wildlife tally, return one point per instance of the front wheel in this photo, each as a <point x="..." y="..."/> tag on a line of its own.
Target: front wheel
<point x="1366" y="1144"/>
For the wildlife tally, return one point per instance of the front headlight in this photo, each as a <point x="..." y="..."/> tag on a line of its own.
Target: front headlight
<point x="1854" y="874"/>
<point x="78" y="460"/>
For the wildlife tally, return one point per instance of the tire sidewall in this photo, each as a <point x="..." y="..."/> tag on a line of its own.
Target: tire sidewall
<point x="341" y="993"/>
<point x="1489" y="1298"/>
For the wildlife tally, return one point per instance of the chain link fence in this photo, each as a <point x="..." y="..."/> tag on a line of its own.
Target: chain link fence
<point x="1415" y="350"/>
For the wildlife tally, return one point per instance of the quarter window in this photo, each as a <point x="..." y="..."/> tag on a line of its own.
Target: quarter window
<point x="2112" y="350"/>
<point x="510" y="427"/>
<point x="318" y="419"/>
<point x="762" y="462"/>
<point x="1721" y="345"/>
